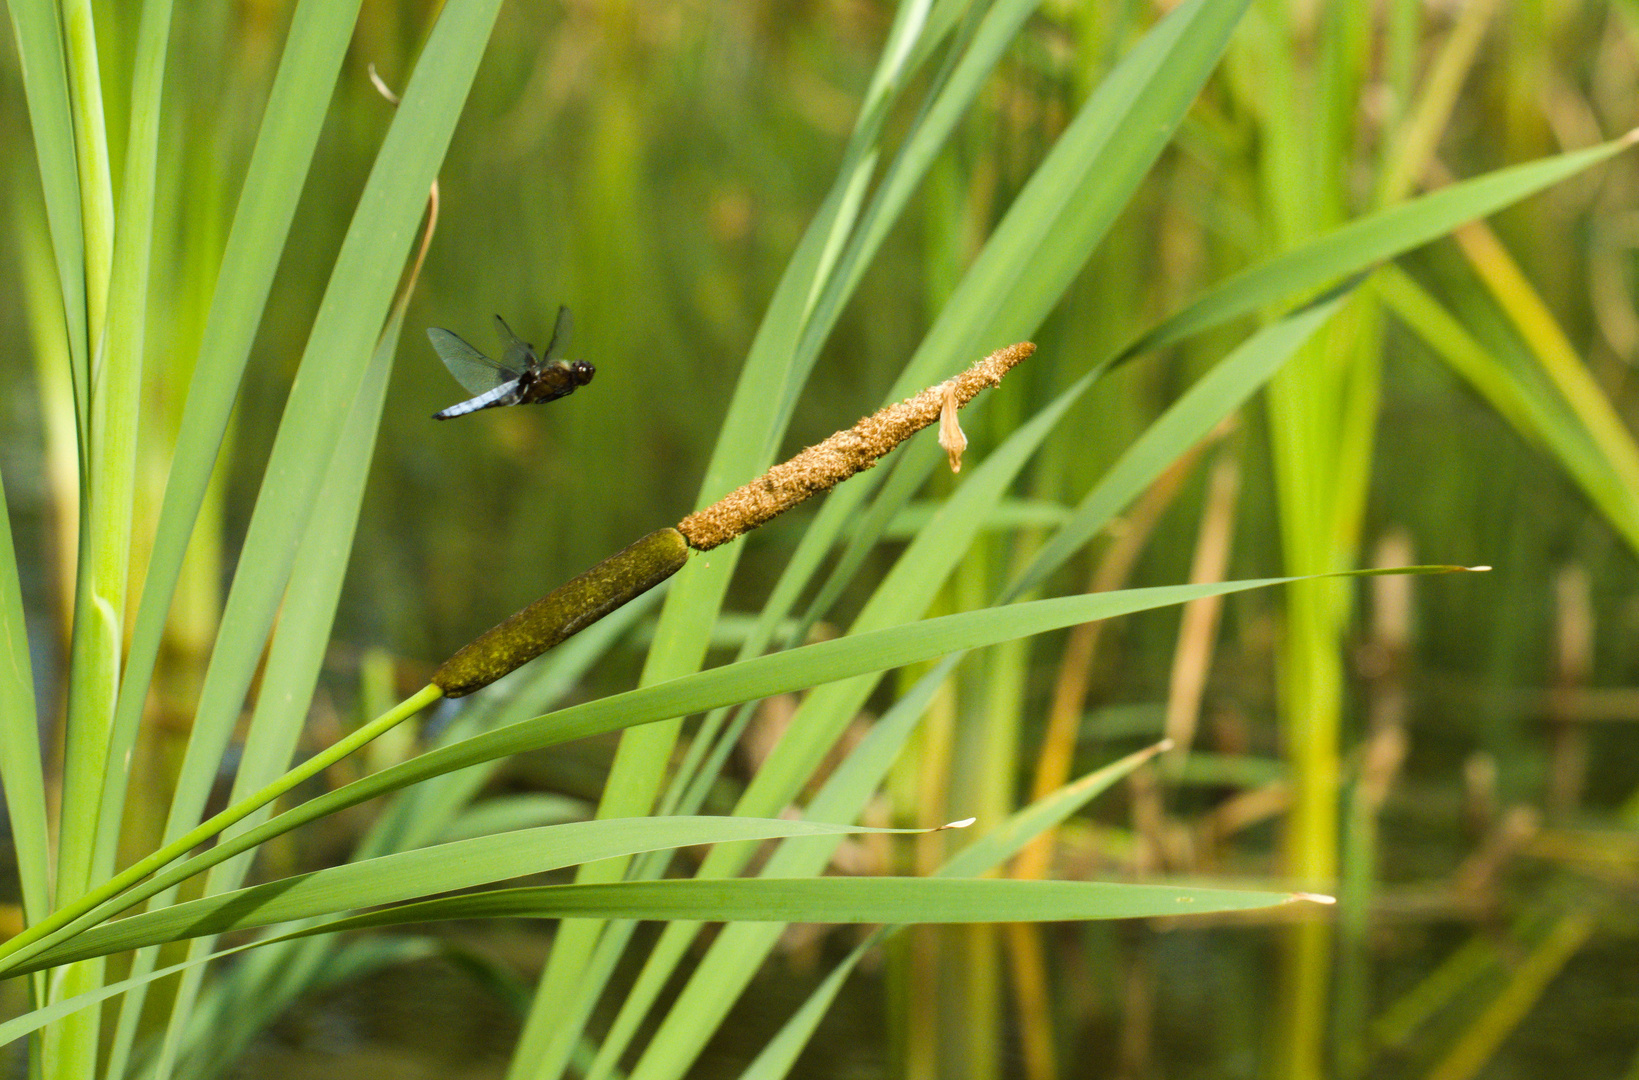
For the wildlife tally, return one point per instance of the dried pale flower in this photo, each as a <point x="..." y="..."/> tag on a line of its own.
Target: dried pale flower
<point x="824" y="465"/>
<point x="952" y="440"/>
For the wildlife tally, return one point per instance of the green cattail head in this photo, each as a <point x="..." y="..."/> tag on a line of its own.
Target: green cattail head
<point x="565" y="611"/>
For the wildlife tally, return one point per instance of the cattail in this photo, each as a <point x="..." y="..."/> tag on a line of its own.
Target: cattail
<point x="579" y="603"/>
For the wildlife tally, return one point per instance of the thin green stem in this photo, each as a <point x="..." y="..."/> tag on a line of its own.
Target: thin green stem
<point x="70" y="1047"/>
<point x="34" y="939"/>
<point x="91" y="148"/>
<point x="100" y="592"/>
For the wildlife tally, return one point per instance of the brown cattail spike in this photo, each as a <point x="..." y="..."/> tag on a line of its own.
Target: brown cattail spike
<point x="824" y="465"/>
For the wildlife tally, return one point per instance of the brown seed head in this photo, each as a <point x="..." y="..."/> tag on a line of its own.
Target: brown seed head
<point x="826" y="464"/>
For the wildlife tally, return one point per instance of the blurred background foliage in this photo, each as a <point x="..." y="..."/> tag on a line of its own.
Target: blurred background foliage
<point x="653" y="166"/>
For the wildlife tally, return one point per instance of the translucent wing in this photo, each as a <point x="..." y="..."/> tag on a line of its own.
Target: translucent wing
<point x="471" y="368"/>
<point x="560" y="335"/>
<point x="518" y="355"/>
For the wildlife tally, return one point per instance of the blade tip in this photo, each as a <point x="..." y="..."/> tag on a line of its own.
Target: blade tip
<point x="1311" y="897"/>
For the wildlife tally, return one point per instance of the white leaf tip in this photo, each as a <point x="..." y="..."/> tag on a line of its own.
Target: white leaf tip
<point x="381" y="84"/>
<point x="964" y="823"/>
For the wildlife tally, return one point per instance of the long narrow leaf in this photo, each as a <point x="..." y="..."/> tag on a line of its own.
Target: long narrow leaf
<point x="294" y="658"/>
<point x="831" y="900"/>
<point x="763" y="677"/>
<point x="774" y="1061"/>
<point x="38" y="34"/>
<point x="20" y="770"/>
<point x="1532" y="410"/>
<point x="785" y="900"/>
<point x="116" y="406"/>
<point x="348" y="323"/>
<point x="1213" y="397"/>
<point x="1369" y="240"/>
<point x="317" y="41"/>
<point x="1146" y="87"/>
<point x="117" y="270"/>
<point x="460" y="864"/>
<point x="781" y="357"/>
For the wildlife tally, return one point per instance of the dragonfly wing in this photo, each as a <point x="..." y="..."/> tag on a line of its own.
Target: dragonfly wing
<point x="560" y="334"/>
<point x="518" y="355"/>
<point x="476" y="372"/>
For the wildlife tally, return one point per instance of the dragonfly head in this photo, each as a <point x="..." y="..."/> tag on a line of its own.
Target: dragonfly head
<point x="581" y="372"/>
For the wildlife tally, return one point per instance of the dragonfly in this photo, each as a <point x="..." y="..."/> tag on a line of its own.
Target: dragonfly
<point x="520" y="377"/>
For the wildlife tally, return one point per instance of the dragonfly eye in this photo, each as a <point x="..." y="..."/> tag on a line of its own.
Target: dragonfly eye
<point x="582" y="372"/>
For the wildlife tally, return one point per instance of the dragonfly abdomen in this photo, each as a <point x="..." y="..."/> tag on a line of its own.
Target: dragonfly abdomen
<point x="506" y="394"/>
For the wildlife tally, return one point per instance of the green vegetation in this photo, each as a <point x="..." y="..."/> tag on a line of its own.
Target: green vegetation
<point x="1313" y="288"/>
